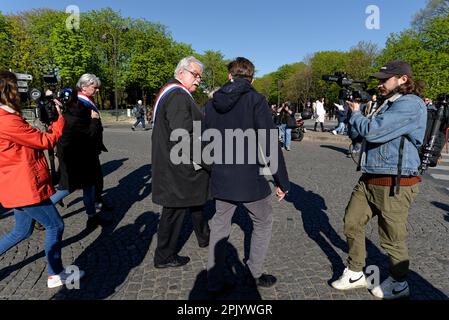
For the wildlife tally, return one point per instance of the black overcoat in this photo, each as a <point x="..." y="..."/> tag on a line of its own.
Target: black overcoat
<point x="176" y="185"/>
<point x="77" y="150"/>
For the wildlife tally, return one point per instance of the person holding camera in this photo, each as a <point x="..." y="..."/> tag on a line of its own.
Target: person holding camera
<point x="288" y="122"/>
<point x="25" y="182"/>
<point x="392" y="136"/>
<point x="77" y="154"/>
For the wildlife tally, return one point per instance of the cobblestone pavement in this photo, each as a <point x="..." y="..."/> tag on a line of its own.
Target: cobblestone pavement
<point x="307" y="251"/>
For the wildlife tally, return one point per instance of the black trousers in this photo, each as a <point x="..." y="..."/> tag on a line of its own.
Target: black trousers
<point x="99" y="184"/>
<point x="169" y="230"/>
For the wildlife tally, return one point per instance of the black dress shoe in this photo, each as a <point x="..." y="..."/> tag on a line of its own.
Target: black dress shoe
<point x="203" y="245"/>
<point x="174" y="262"/>
<point x="264" y="281"/>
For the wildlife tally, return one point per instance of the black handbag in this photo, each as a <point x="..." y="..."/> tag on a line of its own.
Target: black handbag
<point x="291" y="122"/>
<point x="307" y="114"/>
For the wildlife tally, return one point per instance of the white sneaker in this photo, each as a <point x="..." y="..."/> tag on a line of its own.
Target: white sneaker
<point x="350" y="280"/>
<point x="391" y="289"/>
<point x="334" y="132"/>
<point x="60" y="279"/>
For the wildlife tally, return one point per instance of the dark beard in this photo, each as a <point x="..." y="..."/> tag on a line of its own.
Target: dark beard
<point x="388" y="96"/>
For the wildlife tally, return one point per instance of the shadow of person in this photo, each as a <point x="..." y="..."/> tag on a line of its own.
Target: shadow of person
<point x="316" y="224"/>
<point x="342" y="150"/>
<point x="444" y="207"/>
<point x="111" y="166"/>
<point x="107" y="264"/>
<point x="133" y="188"/>
<point x="233" y="272"/>
<point x="107" y="168"/>
<point x="420" y="288"/>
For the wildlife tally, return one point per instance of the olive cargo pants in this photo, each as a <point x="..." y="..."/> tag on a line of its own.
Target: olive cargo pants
<point x="392" y="211"/>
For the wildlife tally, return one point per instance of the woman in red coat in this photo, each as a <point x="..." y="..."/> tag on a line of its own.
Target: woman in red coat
<point x="25" y="183"/>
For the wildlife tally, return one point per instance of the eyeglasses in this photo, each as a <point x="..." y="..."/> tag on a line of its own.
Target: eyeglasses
<point x="194" y="74"/>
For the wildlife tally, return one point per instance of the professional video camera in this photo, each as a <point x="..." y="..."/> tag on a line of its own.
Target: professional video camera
<point x="46" y="110"/>
<point x="435" y="137"/>
<point x="347" y="92"/>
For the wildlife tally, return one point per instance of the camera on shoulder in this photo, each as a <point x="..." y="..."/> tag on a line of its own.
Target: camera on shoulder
<point x="46" y="106"/>
<point x="347" y="91"/>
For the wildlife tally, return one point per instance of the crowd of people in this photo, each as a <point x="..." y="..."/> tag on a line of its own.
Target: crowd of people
<point x="395" y="123"/>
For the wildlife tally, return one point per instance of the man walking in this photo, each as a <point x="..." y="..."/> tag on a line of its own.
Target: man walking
<point x="177" y="187"/>
<point x="238" y="106"/>
<point x="139" y="112"/>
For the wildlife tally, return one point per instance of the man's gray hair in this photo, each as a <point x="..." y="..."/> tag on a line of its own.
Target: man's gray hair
<point x="87" y="79"/>
<point x="185" y="64"/>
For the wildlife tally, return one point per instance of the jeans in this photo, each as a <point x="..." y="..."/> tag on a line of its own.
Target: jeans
<point x="139" y="120"/>
<point x="47" y="215"/>
<point x="340" y="129"/>
<point x="88" y="199"/>
<point x="287" y="135"/>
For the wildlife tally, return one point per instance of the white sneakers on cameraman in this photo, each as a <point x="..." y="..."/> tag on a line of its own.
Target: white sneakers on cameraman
<point x="350" y="280"/>
<point x="60" y="279"/>
<point x="391" y="289"/>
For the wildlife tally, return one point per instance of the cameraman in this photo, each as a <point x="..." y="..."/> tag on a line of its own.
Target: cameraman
<point x="25" y="182"/>
<point x="77" y="154"/>
<point x="391" y="136"/>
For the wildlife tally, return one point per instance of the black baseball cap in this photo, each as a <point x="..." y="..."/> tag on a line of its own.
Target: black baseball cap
<point x="394" y="68"/>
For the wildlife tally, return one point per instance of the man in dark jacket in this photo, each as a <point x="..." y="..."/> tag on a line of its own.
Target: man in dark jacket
<point x="88" y="86"/>
<point x="177" y="187"/>
<point x="238" y="106"/>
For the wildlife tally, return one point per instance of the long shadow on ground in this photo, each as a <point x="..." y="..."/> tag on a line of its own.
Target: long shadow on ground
<point x="317" y="226"/>
<point x="109" y="259"/>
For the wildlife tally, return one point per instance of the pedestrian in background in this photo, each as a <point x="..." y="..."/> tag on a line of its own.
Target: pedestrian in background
<point x="139" y="112"/>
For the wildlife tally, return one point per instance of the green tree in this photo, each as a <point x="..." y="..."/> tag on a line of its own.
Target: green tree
<point x="433" y="9"/>
<point x="427" y="51"/>
<point x="215" y="73"/>
<point x="5" y="42"/>
<point x="71" y="53"/>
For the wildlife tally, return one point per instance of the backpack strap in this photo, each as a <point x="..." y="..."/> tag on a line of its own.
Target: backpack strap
<point x="401" y="154"/>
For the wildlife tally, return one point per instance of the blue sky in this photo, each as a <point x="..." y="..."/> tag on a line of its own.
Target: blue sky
<point x="269" y="32"/>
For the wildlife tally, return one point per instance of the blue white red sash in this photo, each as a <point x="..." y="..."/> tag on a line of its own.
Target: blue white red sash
<point x="87" y="101"/>
<point x="168" y="88"/>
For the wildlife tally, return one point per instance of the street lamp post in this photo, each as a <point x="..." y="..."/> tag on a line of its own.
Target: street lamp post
<point x="115" y="57"/>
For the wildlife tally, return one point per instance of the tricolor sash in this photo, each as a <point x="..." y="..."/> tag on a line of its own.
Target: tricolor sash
<point x="165" y="90"/>
<point x="87" y="101"/>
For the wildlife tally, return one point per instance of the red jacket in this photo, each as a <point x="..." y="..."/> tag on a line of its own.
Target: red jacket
<point x="24" y="175"/>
